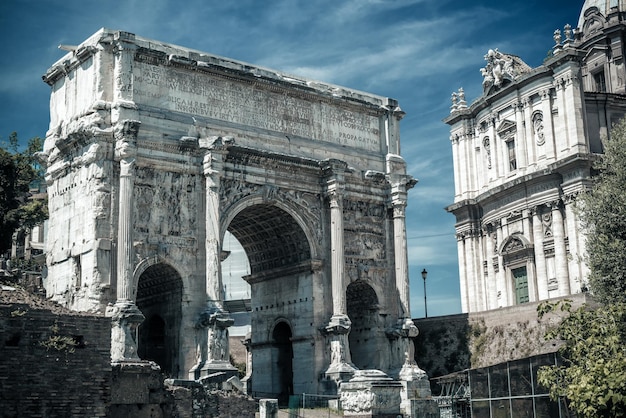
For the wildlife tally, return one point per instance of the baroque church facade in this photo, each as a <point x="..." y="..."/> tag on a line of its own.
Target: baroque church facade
<point x="523" y="152"/>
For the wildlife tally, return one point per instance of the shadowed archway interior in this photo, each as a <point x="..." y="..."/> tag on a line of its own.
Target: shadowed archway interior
<point x="281" y="336"/>
<point x="270" y="237"/>
<point x="159" y="297"/>
<point x="362" y="306"/>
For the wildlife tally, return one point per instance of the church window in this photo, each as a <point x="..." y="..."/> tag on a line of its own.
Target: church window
<point x="510" y="146"/>
<point x="599" y="81"/>
<point x="520" y="281"/>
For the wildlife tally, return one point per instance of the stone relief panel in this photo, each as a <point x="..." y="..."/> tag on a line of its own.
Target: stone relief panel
<point x="546" y="222"/>
<point x="165" y="203"/>
<point x="364" y="240"/>
<point x="359" y="402"/>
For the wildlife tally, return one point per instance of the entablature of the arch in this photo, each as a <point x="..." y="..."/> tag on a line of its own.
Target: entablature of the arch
<point x="238" y="155"/>
<point x="308" y="266"/>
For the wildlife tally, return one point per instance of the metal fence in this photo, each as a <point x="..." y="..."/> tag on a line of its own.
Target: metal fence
<point x="309" y="405"/>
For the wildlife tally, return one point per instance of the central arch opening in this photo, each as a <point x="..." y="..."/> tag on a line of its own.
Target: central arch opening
<point x="281" y="293"/>
<point x="159" y="297"/>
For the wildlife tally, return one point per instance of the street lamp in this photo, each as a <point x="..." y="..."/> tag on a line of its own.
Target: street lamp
<point x="424" y="274"/>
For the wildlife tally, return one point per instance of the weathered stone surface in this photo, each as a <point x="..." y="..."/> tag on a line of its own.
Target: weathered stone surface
<point x="371" y="393"/>
<point x="155" y="151"/>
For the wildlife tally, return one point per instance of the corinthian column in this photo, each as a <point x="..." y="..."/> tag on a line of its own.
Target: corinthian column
<point x="540" y="258"/>
<point x="560" y="253"/>
<point x="403" y="358"/>
<point x="125" y="315"/>
<point x="337" y="255"/>
<point x="341" y="367"/>
<point x="401" y="258"/>
<point x="213" y="351"/>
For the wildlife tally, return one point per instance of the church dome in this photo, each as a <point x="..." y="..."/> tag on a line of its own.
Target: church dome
<point x="604" y="7"/>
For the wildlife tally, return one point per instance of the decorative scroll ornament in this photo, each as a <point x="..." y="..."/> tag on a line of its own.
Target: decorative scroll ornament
<point x="546" y="220"/>
<point x="500" y="68"/>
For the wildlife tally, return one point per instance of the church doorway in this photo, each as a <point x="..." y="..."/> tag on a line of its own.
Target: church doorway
<point x="362" y="306"/>
<point x="159" y="294"/>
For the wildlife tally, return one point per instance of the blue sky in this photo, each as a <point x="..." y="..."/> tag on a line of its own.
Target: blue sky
<point x="416" y="51"/>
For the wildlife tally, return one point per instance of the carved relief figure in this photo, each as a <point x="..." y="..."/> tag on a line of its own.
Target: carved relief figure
<point x="218" y="343"/>
<point x="487" y="148"/>
<point x="501" y="67"/>
<point x="538" y="128"/>
<point x="360" y="401"/>
<point x="337" y="355"/>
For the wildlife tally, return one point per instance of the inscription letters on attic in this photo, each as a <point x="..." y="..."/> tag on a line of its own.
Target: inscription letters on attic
<point x="230" y="101"/>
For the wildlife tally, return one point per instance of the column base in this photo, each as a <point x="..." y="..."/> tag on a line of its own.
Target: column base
<point x="125" y="318"/>
<point x="339" y="324"/>
<point x="208" y="368"/>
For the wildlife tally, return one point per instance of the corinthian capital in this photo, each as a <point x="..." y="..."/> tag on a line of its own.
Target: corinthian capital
<point x="399" y="210"/>
<point x="126" y="139"/>
<point x="335" y="198"/>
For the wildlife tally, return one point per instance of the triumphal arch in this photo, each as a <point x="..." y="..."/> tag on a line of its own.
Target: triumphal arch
<point x="155" y="151"/>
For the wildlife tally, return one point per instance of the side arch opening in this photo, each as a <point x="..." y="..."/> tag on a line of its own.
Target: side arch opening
<point x="159" y="297"/>
<point x="362" y="306"/>
<point x="283" y="375"/>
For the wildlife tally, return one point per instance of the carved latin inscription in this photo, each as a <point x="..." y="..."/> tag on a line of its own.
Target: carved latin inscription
<point x="229" y="101"/>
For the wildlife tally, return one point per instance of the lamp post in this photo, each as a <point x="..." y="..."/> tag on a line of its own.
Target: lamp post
<point x="424" y="274"/>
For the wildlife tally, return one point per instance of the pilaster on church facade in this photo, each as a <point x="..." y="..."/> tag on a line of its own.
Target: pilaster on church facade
<point x="520" y="157"/>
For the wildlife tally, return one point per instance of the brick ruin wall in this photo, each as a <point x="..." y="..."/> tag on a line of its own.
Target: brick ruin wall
<point x="57" y="363"/>
<point x="53" y="365"/>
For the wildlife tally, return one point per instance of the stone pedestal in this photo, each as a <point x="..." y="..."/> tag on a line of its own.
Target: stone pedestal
<point x="371" y="393"/>
<point x="341" y="368"/>
<point x="214" y="356"/>
<point x="423" y="408"/>
<point x="268" y="408"/>
<point x="125" y="319"/>
<point x="137" y="390"/>
<point x="415" y="388"/>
